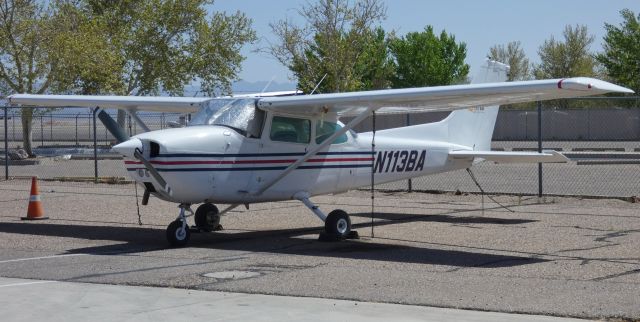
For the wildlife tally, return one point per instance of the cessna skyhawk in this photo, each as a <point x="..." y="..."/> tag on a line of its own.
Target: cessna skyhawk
<point x="245" y="150"/>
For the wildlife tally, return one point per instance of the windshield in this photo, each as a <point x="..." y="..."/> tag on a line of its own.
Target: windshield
<point x="238" y="114"/>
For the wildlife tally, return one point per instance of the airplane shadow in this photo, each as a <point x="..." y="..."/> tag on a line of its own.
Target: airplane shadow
<point x="283" y="241"/>
<point x="442" y="218"/>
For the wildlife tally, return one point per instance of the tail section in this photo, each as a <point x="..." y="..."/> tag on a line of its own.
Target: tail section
<point x="471" y="128"/>
<point x="474" y="127"/>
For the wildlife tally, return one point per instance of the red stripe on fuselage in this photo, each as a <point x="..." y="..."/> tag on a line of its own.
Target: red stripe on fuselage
<point x="250" y="161"/>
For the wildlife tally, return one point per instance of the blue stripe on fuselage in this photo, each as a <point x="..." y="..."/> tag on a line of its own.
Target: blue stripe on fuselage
<point x="253" y="155"/>
<point x="304" y="167"/>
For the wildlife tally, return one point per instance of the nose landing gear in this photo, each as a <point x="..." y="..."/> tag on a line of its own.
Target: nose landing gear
<point x="178" y="233"/>
<point x="207" y="219"/>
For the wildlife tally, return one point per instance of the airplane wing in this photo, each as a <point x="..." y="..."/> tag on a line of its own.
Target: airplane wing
<point x="136" y="103"/>
<point x="409" y="100"/>
<point x="436" y="98"/>
<point x="549" y="156"/>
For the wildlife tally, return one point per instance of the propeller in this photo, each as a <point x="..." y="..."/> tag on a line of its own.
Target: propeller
<point x="112" y="126"/>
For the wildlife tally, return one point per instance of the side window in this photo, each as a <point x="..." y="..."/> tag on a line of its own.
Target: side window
<point x="288" y="129"/>
<point x="325" y="129"/>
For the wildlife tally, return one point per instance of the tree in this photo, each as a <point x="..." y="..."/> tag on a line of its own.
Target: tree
<point x="166" y="44"/>
<point x="4" y="89"/>
<point x="621" y="56"/>
<point x="86" y="60"/>
<point x="424" y="59"/>
<point x="335" y="41"/>
<point x="375" y="65"/>
<point x="512" y="55"/>
<point x="26" y="43"/>
<point x="567" y="58"/>
<point x="117" y="47"/>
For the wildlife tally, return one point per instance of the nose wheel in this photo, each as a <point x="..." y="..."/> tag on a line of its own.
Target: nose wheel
<point x="178" y="233"/>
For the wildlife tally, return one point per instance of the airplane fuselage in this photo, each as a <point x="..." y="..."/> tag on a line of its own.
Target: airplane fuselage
<point x="219" y="165"/>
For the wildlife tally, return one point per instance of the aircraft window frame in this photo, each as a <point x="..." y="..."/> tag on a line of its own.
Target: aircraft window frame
<point x="344" y="138"/>
<point x="238" y="114"/>
<point x="293" y="135"/>
<point x="257" y="124"/>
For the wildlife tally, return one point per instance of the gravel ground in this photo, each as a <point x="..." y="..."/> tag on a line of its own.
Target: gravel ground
<point x="554" y="256"/>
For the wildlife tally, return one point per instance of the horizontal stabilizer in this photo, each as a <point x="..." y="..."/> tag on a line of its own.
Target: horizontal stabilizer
<point x="547" y="156"/>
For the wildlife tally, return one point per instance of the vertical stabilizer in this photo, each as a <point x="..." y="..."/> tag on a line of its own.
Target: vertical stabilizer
<point x="474" y="127"/>
<point x="470" y="128"/>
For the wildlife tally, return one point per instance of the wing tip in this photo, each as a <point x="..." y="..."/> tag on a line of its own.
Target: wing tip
<point x="590" y="84"/>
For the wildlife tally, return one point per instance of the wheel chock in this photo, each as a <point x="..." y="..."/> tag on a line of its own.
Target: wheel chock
<point x="324" y="237"/>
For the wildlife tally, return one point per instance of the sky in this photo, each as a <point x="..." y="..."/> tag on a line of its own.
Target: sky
<point x="480" y="24"/>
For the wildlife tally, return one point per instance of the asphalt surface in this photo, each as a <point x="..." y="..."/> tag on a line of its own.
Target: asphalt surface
<point x="557" y="256"/>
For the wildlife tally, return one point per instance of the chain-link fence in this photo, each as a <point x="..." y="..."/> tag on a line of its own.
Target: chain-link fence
<point x="600" y="135"/>
<point x="64" y="144"/>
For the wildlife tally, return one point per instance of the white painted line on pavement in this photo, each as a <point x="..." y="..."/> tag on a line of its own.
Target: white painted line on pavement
<point x="27" y="283"/>
<point x="42" y="257"/>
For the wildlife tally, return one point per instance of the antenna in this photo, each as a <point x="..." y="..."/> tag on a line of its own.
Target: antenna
<point x="268" y="84"/>
<point x="320" y="82"/>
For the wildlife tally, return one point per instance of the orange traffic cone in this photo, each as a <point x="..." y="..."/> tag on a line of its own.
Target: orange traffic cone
<point x="35" y="211"/>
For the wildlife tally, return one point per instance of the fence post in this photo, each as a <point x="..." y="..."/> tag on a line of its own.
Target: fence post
<point x="6" y="143"/>
<point x="95" y="147"/>
<point x="129" y="124"/>
<point x="77" y="143"/>
<point x="409" y="182"/>
<point x="539" y="148"/>
<point x="41" y="132"/>
<point x="13" y="127"/>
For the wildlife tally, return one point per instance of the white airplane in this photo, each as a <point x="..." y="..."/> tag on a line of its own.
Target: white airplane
<point x="239" y="151"/>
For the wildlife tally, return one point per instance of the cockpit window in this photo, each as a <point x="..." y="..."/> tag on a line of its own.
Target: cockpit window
<point x="289" y="129"/>
<point x="325" y="129"/>
<point x="240" y="115"/>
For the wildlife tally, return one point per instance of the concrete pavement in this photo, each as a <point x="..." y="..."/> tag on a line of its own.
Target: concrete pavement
<point x="38" y="300"/>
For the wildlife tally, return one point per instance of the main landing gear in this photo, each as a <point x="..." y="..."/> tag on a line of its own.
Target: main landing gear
<point x="207" y="219"/>
<point x="337" y="225"/>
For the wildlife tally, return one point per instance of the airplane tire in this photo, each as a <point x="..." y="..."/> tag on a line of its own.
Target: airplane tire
<point x="207" y="218"/>
<point x="338" y="224"/>
<point x="177" y="236"/>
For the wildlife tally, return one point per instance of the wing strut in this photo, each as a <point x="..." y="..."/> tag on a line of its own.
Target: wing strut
<point x="134" y="115"/>
<point x="315" y="150"/>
